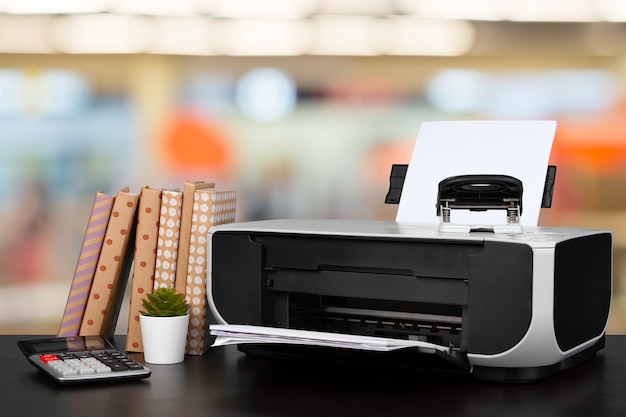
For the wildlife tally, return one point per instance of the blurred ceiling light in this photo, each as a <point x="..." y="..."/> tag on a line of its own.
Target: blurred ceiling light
<point x="610" y="10"/>
<point x="262" y="8"/>
<point x="488" y="10"/>
<point x="432" y="37"/>
<point x="24" y="34"/>
<point x="262" y="37"/>
<point x="265" y="95"/>
<point x="343" y="36"/>
<point x="183" y="36"/>
<point x="459" y="9"/>
<point x="356" y="7"/>
<point x="54" y="6"/>
<point x="155" y="7"/>
<point x="101" y="33"/>
<point x="554" y="11"/>
<point x="205" y="6"/>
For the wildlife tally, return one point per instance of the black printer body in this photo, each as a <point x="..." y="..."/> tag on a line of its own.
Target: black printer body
<point x="509" y="307"/>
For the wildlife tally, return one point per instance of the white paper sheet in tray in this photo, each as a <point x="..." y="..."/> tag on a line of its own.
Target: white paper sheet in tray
<point x="520" y="149"/>
<point x="227" y="334"/>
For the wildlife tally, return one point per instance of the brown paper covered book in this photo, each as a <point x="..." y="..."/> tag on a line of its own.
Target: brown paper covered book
<point x="111" y="276"/>
<point x="182" y="258"/>
<point x="142" y="282"/>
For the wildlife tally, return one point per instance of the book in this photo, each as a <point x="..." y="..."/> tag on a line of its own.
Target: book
<point x="182" y="258"/>
<point x="86" y="265"/>
<point x="210" y="208"/>
<point x="169" y="234"/>
<point x="142" y="279"/>
<point x="114" y="263"/>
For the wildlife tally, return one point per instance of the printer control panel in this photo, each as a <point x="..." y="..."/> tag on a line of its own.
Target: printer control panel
<point x="541" y="237"/>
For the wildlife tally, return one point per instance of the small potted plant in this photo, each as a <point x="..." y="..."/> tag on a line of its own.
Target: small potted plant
<point x="164" y="321"/>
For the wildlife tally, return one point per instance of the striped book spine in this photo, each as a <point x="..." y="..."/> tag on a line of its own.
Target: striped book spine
<point x="86" y="265"/>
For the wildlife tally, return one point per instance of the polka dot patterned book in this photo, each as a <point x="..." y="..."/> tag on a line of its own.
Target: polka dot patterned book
<point x="210" y="208"/>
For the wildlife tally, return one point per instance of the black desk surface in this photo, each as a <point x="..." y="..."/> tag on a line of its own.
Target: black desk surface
<point x="224" y="383"/>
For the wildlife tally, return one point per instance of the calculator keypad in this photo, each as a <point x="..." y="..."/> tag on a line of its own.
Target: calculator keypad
<point x="81" y="359"/>
<point x="88" y="363"/>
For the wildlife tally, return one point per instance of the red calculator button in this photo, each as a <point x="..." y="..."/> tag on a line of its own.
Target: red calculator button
<point x="47" y="358"/>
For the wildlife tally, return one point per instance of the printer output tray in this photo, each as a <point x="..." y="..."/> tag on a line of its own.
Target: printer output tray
<point x="408" y="358"/>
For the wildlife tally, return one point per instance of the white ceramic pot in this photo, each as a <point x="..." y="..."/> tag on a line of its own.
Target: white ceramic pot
<point x="164" y="338"/>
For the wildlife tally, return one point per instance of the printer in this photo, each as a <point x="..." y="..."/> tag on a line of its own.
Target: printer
<point x="513" y="307"/>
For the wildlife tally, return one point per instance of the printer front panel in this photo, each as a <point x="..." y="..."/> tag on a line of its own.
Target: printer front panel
<point x="398" y="288"/>
<point x="474" y="295"/>
<point x="406" y="288"/>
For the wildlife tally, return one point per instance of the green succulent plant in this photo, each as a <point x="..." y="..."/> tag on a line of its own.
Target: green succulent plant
<point x="165" y="302"/>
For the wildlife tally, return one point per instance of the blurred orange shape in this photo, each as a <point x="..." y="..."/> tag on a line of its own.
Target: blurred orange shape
<point x="191" y="143"/>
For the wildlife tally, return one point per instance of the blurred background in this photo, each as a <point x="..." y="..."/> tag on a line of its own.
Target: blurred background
<point x="299" y="105"/>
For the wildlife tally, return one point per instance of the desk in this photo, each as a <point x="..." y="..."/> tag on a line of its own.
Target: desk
<point x="225" y="383"/>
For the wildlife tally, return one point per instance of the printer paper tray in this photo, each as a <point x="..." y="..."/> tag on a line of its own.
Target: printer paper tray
<point x="278" y="343"/>
<point x="240" y="334"/>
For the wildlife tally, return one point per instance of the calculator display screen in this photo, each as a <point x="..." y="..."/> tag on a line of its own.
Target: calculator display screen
<point x="67" y="344"/>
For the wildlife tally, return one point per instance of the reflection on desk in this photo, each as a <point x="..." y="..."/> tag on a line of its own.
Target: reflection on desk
<point x="224" y="383"/>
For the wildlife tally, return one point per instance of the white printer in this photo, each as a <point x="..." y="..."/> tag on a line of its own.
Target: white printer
<point x="511" y="307"/>
<point x="511" y="304"/>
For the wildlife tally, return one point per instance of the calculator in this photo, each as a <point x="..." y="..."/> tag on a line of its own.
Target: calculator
<point x="81" y="359"/>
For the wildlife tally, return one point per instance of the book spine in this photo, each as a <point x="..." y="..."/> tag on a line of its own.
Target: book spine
<point x="112" y="268"/>
<point x="86" y="265"/>
<point x="142" y="281"/>
<point x="169" y="234"/>
<point x="182" y="258"/>
<point x="210" y="208"/>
